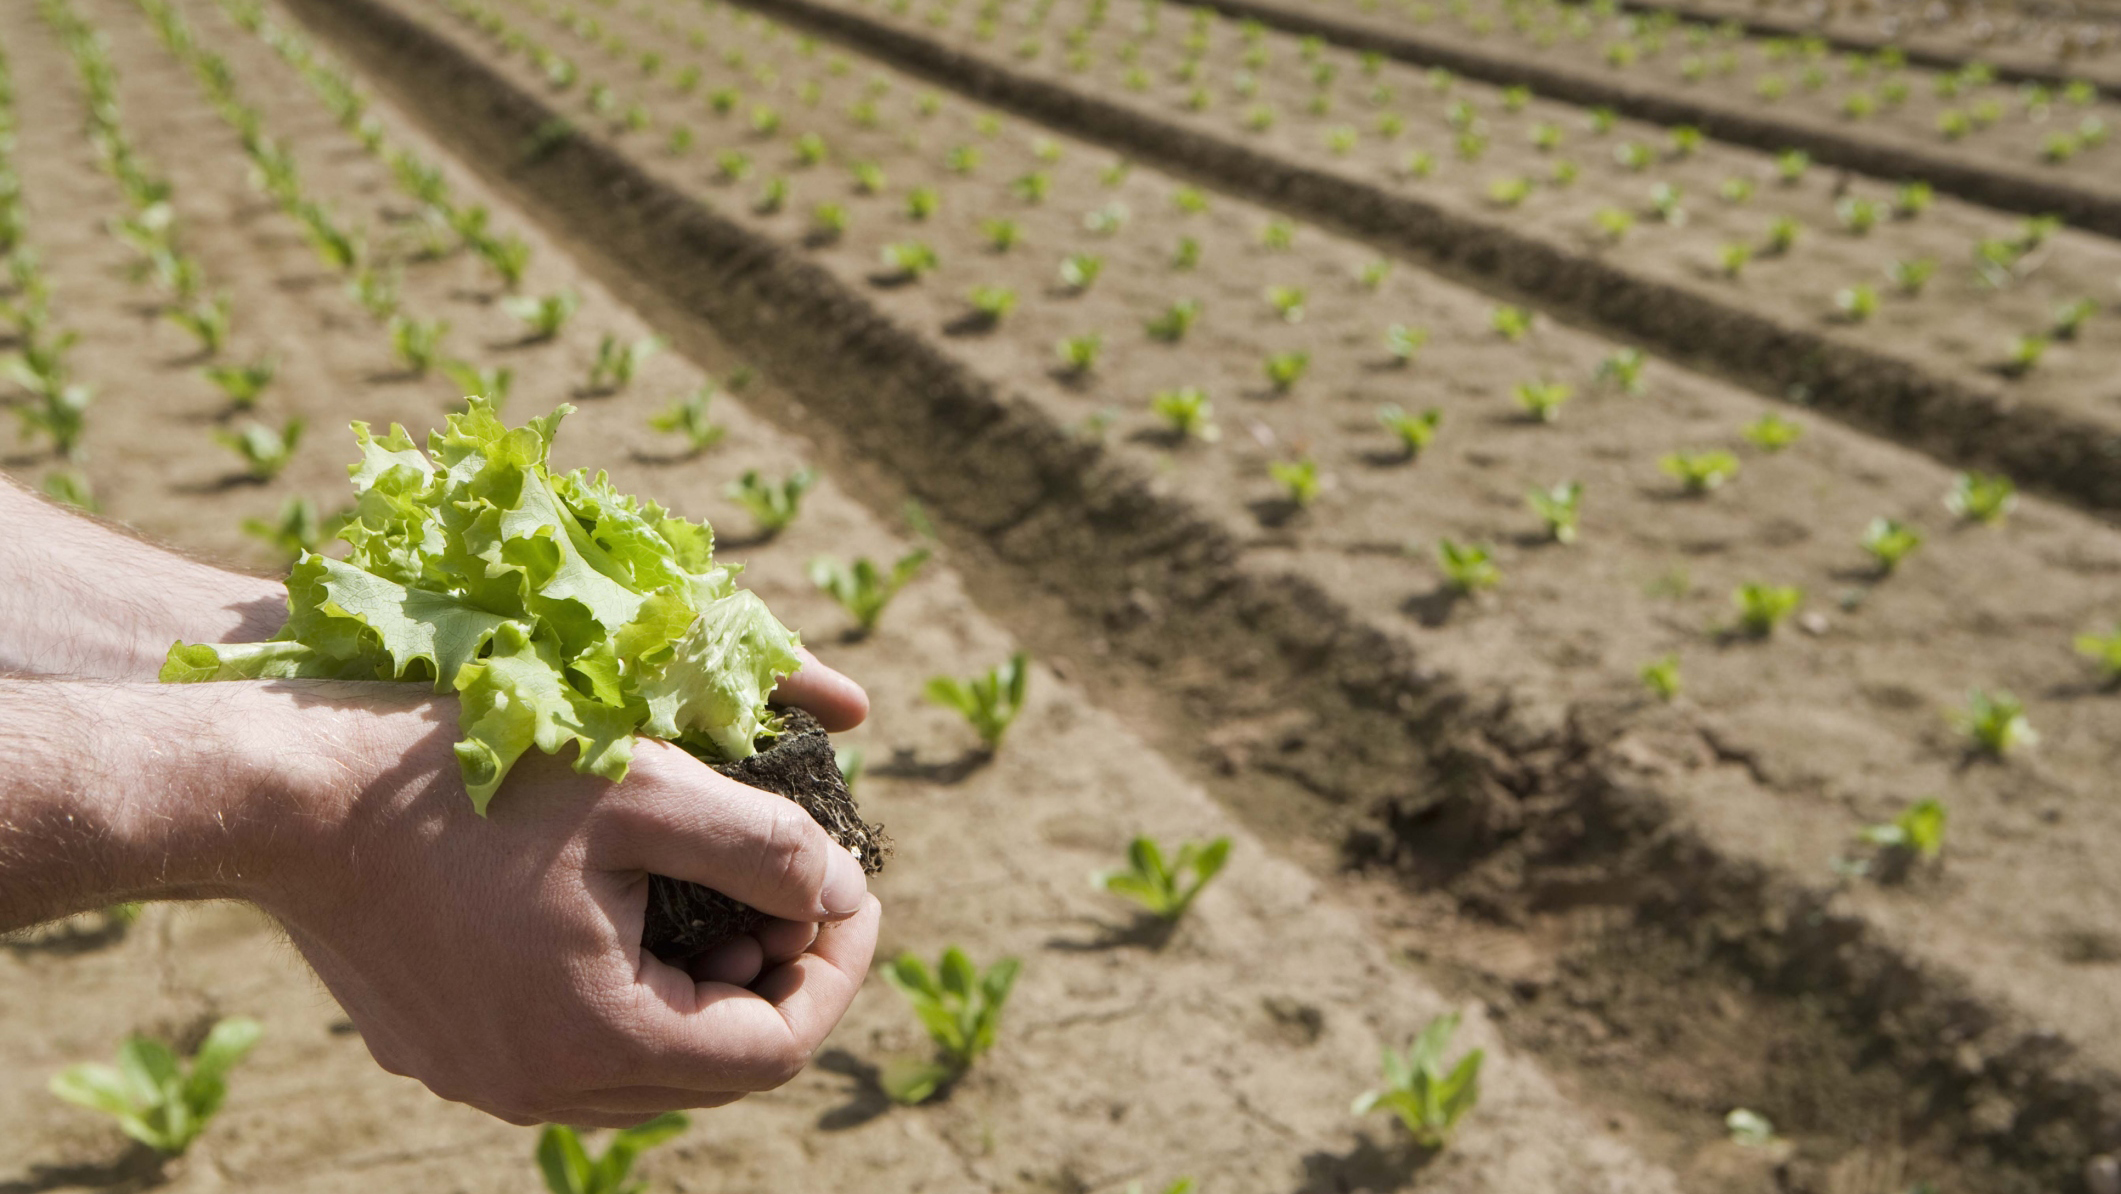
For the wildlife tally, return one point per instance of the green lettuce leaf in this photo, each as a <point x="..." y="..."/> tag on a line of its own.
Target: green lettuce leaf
<point x="558" y="610"/>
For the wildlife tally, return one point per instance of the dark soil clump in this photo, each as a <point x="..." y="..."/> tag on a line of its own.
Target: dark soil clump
<point x="685" y="919"/>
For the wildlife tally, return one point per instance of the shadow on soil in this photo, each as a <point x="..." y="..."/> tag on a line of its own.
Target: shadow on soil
<point x="1369" y="1166"/>
<point x="1144" y="931"/>
<point x="905" y="764"/>
<point x="138" y="1168"/>
<point x="866" y="1099"/>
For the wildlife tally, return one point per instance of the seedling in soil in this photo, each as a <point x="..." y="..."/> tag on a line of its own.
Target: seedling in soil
<point x="1781" y="235"/>
<point x="1426" y="1098"/>
<point x="962" y="159"/>
<point x="1981" y="497"/>
<point x="1542" y="400"/>
<point x="1033" y="187"/>
<point x="1285" y="369"/>
<point x="1106" y="220"/>
<point x="1700" y="472"/>
<point x="156" y="1098"/>
<point x="207" y="320"/>
<point x="1467" y="567"/>
<point x="376" y="290"/>
<point x="1734" y="257"/>
<point x="1558" y="507"/>
<point x="1665" y="201"/>
<point x="1372" y="275"/>
<point x="1909" y="277"/>
<point x="863" y="589"/>
<point x="2070" y="317"/>
<point x="1405" y="342"/>
<point x="1278" y="235"/>
<point x="1736" y="190"/>
<point x="617" y="362"/>
<point x="1287" y="301"/>
<point x="1622" y="369"/>
<point x="1995" y="723"/>
<point x="2103" y="650"/>
<point x="1770" y="433"/>
<point x="71" y="488"/>
<point x="1911" y="199"/>
<point x="990" y="702"/>
<point x="1190" y="201"/>
<point x="1890" y="541"/>
<point x="299" y="529"/>
<point x="1414" y="431"/>
<point x="773" y="195"/>
<point x="1079" y="271"/>
<point x="1858" y="215"/>
<point x="1512" y="323"/>
<point x="1176" y="320"/>
<point x="1509" y="192"/>
<point x="337" y="248"/>
<point x="243" y="383"/>
<point x="1761" y="608"/>
<point x="507" y="256"/>
<point x="910" y="259"/>
<point x="1749" y="1128"/>
<point x="1187" y="412"/>
<point x="828" y="222"/>
<point x="542" y="317"/>
<point x="1419" y="164"/>
<point x="1079" y="354"/>
<point x="1633" y="155"/>
<point x="1855" y="304"/>
<point x="1166" y="887"/>
<point x="1686" y="141"/>
<point x="772" y="505"/>
<point x="1187" y="255"/>
<point x="491" y="382"/>
<point x="418" y="343"/>
<point x="868" y="178"/>
<point x="687" y="416"/>
<point x="1661" y="677"/>
<point x="1612" y="223"/>
<point x="959" y="1006"/>
<point x="1791" y="164"/>
<point x="60" y="412"/>
<point x="1001" y="235"/>
<point x="922" y="202"/>
<point x="569" y="1169"/>
<point x="264" y="451"/>
<point x="1602" y="121"/>
<point x="1917" y="832"/>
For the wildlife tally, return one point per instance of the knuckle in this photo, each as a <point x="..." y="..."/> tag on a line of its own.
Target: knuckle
<point x="788" y="858"/>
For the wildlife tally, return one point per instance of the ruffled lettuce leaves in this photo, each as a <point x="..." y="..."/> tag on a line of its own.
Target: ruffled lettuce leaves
<point x="560" y="611"/>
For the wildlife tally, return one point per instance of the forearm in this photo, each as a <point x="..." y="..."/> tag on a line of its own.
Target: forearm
<point x="113" y="792"/>
<point x="79" y="598"/>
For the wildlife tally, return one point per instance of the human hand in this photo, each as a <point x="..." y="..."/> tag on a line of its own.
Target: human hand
<point x="499" y="960"/>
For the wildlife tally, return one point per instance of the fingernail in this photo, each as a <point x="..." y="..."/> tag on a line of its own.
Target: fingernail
<point x="845" y="886"/>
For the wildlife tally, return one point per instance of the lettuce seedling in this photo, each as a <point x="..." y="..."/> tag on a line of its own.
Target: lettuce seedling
<point x="491" y="382"/>
<point x="207" y="320"/>
<point x="244" y="383"/>
<point x="1857" y="214"/>
<point x="1509" y="192"/>
<point x="1512" y="323"/>
<point x="1855" y="304"/>
<point x="2103" y="650"/>
<point x="1736" y="190"/>
<point x="1558" y="507"/>
<point x="1995" y="723"/>
<point x="1749" y="1129"/>
<point x="1665" y="201"/>
<point x="989" y="701"/>
<point x="2070" y="318"/>
<point x="1890" y="541"/>
<point x="1981" y="497"/>
<point x="828" y="222"/>
<point x="1277" y="235"/>
<point x="863" y="589"/>
<point x="1176" y="320"/>
<point x="1414" y="431"/>
<point x="1661" y="676"/>
<point x="1428" y="1100"/>
<point x="543" y="317"/>
<point x="376" y="289"/>
<point x="1634" y="156"/>
<point x="70" y="487"/>
<point x="1187" y="412"/>
<point x="1467" y="567"/>
<point x="156" y="1098"/>
<point x="1761" y="608"/>
<point x="1733" y="257"/>
<point x="1285" y="369"/>
<point x="1918" y="831"/>
<point x="568" y="1168"/>
<point x="772" y="505"/>
<point x="616" y="363"/>
<point x="1001" y="235"/>
<point x="60" y="412"/>
<point x="1791" y="164"/>
<point x="1032" y="188"/>
<point x="922" y="202"/>
<point x="686" y="415"/>
<point x="1542" y="400"/>
<point x="1622" y="369"/>
<point x="1911" y="199"/>
<point x="1782" y="235"/>
<point x="1372" y="275"/>
<point x="299" y="528"/>
<point x="1106" y="220"/>
<point x="960" y="1006"/>
<point x="1079" y="271"/>
<point x="1909" y="277"/>
<point x="1079" y="354"/>
<point x="1287" y="301"/>
<point x="1612" y="223"/>
<point x="418" y="343"/>
<point x="1162" y="885"/>
<point x="264" y="451"/>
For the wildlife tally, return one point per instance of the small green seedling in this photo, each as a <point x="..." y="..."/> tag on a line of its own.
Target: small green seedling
<point x="1558" y="507"/>
<point x="299" y="529"/>
<point x="1700" y="472"/>
<point x="264" y="451"/>
<point x="1001" y="235"/>
<point x="1761" y="608"/>
<point x="1187" y="412"/>
<point x="1512" y="323"/>
<point x="910" y="259"/>
<point x="1543" y="400"/>
<point x="989" y="701"/>
<point x="1791" y="165"/>
<point x="507" y="256"/>
<point x="773" y="505"/>
<point x="1285" y="369"/>
<point x="1079" y="271"/>
<point x="922" y="202"/>
<point x="1622" y="369"/>
<point x="1187" y="254"/>
<point x="1781" y="236"/>
<point x="569" y="1169"/>
<point x="156" y="1098"/>
<point x="1176" y="320"/>
<point x="1858" y="215"/>
<point x="1982" y="497"/>
<point x="1855" y="304"/>
<point x="71" y="488"/>
<point x="863" y="589"/>
<point x="687" y="416"/>
<point x="828" y="222"/>
<point x="1298" y="479"/>
<point x="1749" y="1128"/>
<point x="1414" y="431"/>
<point x="1661" y="677"/>
<point x="1769" y="433"/>
<point x="491" y="382"/>
<point x="1909" y="277"/>
<point x="1911" y="199"/>
<point x="1080" y="354"/>
<point x="616" y="363"/>
<point x="1287" y="301"/>
<point x="1426" y="1098"/>
<point x="207" y="320"/>
<point x="243" y="383"/>
<point x="1890" y="541"/>
<point x="960" y="1007"/>
<point x="1405" y="342"/>
<point x="2103" y="650"/>
<point x="1918" y="832"/>
<point x="1372" y="275"/>
<point x="2070" y="318"/>
<point x="1734" y="257"/>
<point x="1162" y="885"/>
<point x="1467" y="567"/>
<point x="1612" y="224"/>
<point x="991" y="304"/>
<point x="1995" y="723"/>
<point x="2023" y="355"/>
<point x="542" y="316"/>
<point x="376" y="289"/>
<point x="417" y="342"/>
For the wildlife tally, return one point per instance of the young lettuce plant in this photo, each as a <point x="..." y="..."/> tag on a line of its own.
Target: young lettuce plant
<point x="1285" y="369"/>
<point x="1512" y="323"/>
<point x="617" y="362"/>
<point x="1761" y="608"/>
<point x="1080" y="354"/>
<point x="418" y="343"/>
<point x="2104" y="650"/>
<point x="1467" y="567"/>
<point x="542" y="316"/>
<point x="1918" y="832"/>
<point x="156" y="1098"/>
<point x="1890" y="541"/>
<point x="990" y="701"/>
<point x="1542" y="400"/>
<point x="772" y="505"/>
<point x="1079" y="271"/>
<point x="910" y="260"/>
<point x="207" y="320"/>
<point x="1175" y="321"/>
<point x="1994" y="723"/>
<point x="960" y="1006"/>
<point x="1427" y="1099"/>
<point x="1559" y="508"/>
<point x="243" y="384"/>
<point x="1771" y="433"/>
<point x="1700" y="472"/>
<point x="1405" y="342"/>
<point x="264" y="451"/>
<point x="569" y="1169"/>
<point x="491" y="382"/>
<point x="1187" y="412"/>
<point x="1622" y="369"/>
<point x="1162" y="884"/>
<point x="863" y="589"/>
<point x="1298" y="480"/>
<point x="1982" y="497"/>
<point x="1414" y="431"/>
<point x="687" y="416"/>
<point x="1661" y="677"/>
<point x="299" y="530"/>
<point x="991" y="304"/>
